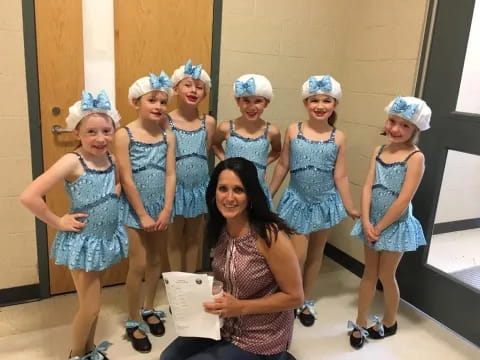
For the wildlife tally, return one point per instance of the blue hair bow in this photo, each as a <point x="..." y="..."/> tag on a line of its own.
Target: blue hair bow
<point x="245" y="88"/>
<point x="402" y="108"/>
<point x="160" y="82"/>
<point x="193" y="70"/>
<point x="88" y="102"/>
<point x="324" y="84"/>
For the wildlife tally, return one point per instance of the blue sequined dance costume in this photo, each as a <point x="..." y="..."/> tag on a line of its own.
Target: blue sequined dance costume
<point x="192" y="170"/>
<point x="311" y="202"/>
<point x="406" y="233"/>
<point x="103" y="241"/>
<point x="148" y="171"/>
<point x="254" y="149"/>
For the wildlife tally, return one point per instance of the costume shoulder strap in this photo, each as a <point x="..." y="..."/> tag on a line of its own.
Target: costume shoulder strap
<point x="265" y="133"/>
<point x="410" y="155"/>
<point x="129" y="132"/>
<point x="299" y="125"/>
<point x="81" y="159"/>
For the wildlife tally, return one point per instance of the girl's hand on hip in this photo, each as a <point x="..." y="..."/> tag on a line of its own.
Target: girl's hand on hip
<point x="71" y="222"/>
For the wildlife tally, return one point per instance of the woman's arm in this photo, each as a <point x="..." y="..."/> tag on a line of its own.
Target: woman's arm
<point x="283" y="263"/>
<point x="340" y="176"/>
<point x="283" y="164"/>
<point x="32" y="196"/>
<point x="219" y="137"/>
<point x="413" y="177"/>
<point x="170" y="183"/>
<point x="125" y="170"/>
<point x="276" y="143"/>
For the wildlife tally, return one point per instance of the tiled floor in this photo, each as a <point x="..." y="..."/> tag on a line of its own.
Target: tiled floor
<point x="40" y="330"/>
<point x="455" y="251"/>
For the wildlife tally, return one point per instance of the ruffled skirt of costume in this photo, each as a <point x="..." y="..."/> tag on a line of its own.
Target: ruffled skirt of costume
<point x="153" y="209"/>
<point x="190" y="202"/>
<point x="102" y="242"/>
<point x="402" y="235"/>
<point x="268" y="195"/>
<point x="306" y="217"/>
<point x="89" y="252"/>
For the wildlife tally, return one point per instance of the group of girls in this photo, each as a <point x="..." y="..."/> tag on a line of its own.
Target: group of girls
<point x="156" y="183"/>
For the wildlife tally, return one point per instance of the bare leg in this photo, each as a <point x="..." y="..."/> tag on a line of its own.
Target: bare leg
<point x="389" y="261"/>
<point x="176" y="243"/>
<point x="368" y="285"/>
<point x="91" y="336"/>
<point x="88" y="286"/>
<point x="300" y="243"/>
<point x="313" y="263"/>
<point x="193" y="234"/>
<point x="155" y="246"/>
<point x="136" y="272"/>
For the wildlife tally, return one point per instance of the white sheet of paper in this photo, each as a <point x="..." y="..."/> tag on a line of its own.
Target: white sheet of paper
<point x="186" y="294"/>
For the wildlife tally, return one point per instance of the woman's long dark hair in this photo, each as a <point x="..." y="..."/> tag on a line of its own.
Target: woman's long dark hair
<point x="262" y="220"/>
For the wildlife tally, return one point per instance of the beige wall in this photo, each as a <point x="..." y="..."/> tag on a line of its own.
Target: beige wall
<point x="379" y="61"/>
<point x="371" y="46"/>
<point x="18" y="253"/>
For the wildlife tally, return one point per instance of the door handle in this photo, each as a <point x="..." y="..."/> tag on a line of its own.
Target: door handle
<point x="57" y="129"/>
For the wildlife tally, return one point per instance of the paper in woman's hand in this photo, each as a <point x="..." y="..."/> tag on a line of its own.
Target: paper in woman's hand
<point x="186" y="294"/>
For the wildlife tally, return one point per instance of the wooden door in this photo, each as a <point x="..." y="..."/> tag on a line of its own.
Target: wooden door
<point x="155" y="35"/>
<point x="150" y="35"/>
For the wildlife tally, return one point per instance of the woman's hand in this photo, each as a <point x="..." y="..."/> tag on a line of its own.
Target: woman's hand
<point x="163" y="220"/>
<point x="148" y="224"/>
<point x="225" y="306"/>
<point x="69" y="222"/>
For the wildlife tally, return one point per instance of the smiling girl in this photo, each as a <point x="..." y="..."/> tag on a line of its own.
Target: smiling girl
<point x="318" y="196"/>
<point x="387" y="226"/>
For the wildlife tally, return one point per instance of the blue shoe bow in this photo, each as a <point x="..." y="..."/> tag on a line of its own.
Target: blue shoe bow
<point x="140" y="324"/>
<point x="158" y="313"/>
<point x="310" y="306"/>
<point x="379" y="325"/>
<point x="96" y="354"/>
<point x="355" y="327"/>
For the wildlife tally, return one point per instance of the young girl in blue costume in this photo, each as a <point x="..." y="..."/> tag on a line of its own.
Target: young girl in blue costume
<point x="194" y="133"/>
<point x="91" y="236"/>
<point x="318" y="196"/>
<point x="249" y="136"/>
<point x="387" y="226"/>
<point x="146" y="157"/>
